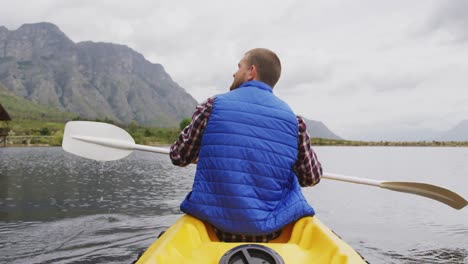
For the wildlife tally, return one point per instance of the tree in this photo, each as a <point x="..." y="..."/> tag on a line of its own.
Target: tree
<point x="133" y="126"/>
<point x="185" y="122"/>
<point x="45" y="131"/>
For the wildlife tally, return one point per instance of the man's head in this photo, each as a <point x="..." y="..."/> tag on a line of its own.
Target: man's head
<point x="258" y="64"/>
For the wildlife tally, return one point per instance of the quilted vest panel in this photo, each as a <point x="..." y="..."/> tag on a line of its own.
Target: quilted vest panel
<point x="244" y="182"/>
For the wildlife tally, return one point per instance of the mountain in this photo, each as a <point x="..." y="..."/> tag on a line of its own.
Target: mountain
<point x="40" y="63"/>
<point x="317" y="129"/>
<point x="457" y="133"/>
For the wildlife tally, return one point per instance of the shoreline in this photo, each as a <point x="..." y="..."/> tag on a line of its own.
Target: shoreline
<point x="31" y="133"/>
<point x="335" y="142"/>
<point x="313" y="144"/>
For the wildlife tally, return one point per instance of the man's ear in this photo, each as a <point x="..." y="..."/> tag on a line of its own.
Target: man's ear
<point x="252" y="75"/>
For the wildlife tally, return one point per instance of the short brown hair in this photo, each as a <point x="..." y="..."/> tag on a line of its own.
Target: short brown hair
<point x="267" y="63"/>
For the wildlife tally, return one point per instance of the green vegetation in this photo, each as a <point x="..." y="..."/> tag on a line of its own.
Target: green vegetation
<point x="51" y="133"/>
<point x="22" y="109"/>
<point x="152" y="135"/>
<point x="41" y="133"/>
<point x="31" y="132"/>
<point x="185" y="122"/>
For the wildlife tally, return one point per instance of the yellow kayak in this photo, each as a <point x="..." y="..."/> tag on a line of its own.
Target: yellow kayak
<point x="189" y="240"/>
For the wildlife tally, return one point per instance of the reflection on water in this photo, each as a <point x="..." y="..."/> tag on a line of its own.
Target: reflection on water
<point x="58" y="208"/>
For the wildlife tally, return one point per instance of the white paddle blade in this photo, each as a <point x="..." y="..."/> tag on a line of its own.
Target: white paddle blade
<point x="98" y="141"/>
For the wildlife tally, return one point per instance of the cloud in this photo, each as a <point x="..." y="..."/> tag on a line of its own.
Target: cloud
<point x="449" y="21"/>
<point x="380" y="84"/>
<point x="305" y="69"/>
<point x="394" y="82"/>
<point x="352" y="66"/>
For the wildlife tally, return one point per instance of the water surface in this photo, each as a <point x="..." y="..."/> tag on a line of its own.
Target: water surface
<point x="59" y="208"/>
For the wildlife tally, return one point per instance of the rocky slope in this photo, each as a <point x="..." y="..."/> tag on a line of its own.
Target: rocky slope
<point x="94" y="80"/>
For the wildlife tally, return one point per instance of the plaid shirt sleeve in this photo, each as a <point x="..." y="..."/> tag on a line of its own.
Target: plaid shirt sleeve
<point x="185" y="150"/>
<point x="307" y="167"/>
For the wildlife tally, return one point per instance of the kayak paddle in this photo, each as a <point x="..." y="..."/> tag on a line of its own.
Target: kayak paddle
<point x="105" y="142"/>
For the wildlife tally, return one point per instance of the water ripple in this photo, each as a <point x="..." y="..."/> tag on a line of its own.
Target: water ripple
<point x="59" y="208"/>
<point x="83" y="239"/>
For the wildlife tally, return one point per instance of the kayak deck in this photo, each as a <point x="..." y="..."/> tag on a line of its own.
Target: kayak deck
<point x="189" y="240"/>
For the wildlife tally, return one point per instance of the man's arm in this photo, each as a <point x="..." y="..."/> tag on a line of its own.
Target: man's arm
<point x="185" y="150"/>
<point x="307" y="167"/>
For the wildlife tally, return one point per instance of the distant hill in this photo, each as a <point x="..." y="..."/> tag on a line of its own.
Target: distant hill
<point x="38" y="62"/>
<point x="317" y="129"/>
<point x="457" y="133"/>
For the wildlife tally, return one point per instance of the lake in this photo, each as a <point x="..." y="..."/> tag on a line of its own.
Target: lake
<point x="59" y="208"/>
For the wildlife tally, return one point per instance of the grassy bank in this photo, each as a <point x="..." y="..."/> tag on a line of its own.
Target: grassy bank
<point x="30" y="132"/>
<point x="45" y="133"/>
<point x="40" y="133"/>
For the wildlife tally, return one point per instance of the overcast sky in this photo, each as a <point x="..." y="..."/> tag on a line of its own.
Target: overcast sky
<point x="364" y="68"/>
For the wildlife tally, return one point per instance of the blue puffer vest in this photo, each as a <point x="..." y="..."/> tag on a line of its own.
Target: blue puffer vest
<point x="244" y="183"/>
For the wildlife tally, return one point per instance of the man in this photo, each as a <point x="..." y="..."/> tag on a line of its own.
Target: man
<point x="253" y="154"/>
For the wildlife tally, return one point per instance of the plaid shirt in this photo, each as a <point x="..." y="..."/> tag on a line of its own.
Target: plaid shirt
<point x="185" y="151"/>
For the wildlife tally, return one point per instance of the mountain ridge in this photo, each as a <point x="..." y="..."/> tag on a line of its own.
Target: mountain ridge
<point x="95" y="80"/>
